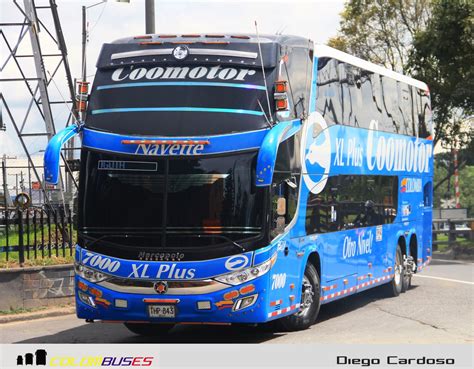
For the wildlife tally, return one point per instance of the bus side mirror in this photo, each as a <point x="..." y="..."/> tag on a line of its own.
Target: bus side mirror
<point x="269" y="149"/>
<point x="53" y="152"/>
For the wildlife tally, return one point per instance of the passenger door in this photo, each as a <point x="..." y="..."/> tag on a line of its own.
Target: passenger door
<point x="427" y="216"/>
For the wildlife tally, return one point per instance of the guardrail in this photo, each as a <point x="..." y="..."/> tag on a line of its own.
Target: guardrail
<point x="451" y="231"/>
<point x="35" y="232"/>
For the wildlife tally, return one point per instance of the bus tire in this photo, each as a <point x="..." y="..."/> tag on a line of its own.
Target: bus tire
<point x="406" y="281"/>
<point x="395" y="287"/>
<point x="149" y="329"/>
<point x="310" y="303"/>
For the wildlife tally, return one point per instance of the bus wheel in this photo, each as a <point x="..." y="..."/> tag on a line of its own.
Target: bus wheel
<point x="395" y="287"/>
<point x="310" y="304"/>
<point x="408" y="266"/>
<point x="149" y="329"/>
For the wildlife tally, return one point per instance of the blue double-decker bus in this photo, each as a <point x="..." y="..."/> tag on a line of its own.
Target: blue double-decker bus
<point x="241" y="179"/>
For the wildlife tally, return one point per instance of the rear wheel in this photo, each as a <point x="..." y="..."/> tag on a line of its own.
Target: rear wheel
<point x="149" y="329"/>
<point x="395" y="287"/>
<point x="310" y="303"/>
<point x="406" y="280"/>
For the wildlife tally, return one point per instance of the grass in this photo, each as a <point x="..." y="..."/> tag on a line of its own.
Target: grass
<point x="21" y="310"/>
<point x="31" y="310"/>
<point x="14" y="260"/>
<point x="14" y="239"/>
<point x="461" y="241"/>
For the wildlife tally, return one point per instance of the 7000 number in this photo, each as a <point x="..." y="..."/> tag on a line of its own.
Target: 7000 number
<point x="101" y="262"/>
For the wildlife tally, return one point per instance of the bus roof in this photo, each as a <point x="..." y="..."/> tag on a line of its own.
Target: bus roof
<point x="216" y="38"/>
<point x="326" y="51"/>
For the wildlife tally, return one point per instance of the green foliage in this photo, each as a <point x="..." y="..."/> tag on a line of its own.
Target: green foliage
<point x="466" y="179"/>
<point x="381" y="31"/>
<point x="443" y="57"/>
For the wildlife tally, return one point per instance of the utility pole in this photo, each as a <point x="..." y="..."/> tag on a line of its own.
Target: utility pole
<point x="84" y="42"/>
<point x="149" y="16"/>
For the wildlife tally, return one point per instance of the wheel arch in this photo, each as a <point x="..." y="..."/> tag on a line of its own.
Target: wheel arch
<point x="414" y="247"/>
<point x="315" y="259"/>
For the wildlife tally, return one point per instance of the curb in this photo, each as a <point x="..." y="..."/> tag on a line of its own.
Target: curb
<point x="47" y="313"/>
<point x="450" y="255"/>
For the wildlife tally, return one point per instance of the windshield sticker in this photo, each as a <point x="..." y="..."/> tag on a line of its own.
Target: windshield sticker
<point x="217" y="72"/>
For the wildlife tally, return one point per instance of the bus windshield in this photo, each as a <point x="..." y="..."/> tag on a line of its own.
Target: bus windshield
<point x="166" y="202"/>
<point x="184" y="100"/>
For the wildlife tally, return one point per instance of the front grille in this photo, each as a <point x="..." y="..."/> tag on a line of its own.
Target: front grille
<point x="139" y="286"/>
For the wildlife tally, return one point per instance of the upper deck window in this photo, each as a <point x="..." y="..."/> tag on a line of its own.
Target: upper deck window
<point x="160" y="94"/>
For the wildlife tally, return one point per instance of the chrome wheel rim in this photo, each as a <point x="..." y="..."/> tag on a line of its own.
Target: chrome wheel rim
<point x="307" y="294"/>
<point x="398" y="270"/>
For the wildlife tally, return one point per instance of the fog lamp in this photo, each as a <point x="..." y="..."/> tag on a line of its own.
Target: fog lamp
<point x="245" y="302"/>
<point x="86" y="299"/>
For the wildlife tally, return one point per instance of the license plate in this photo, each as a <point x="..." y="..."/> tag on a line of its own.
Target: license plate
<point x="161" y="311"/>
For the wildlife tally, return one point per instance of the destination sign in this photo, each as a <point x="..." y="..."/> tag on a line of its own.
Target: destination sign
<point x="127" y="165"/>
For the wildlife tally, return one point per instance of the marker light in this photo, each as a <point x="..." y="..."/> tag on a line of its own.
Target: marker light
<point x="151" y="43"/>
<point x="166" y="142"/>
<point x="89" y="274"/>
<point x="280" y="87"/>
<point x="247" y="274"/>
<point x="82" y="95"/>
<point x="281" y="104"/>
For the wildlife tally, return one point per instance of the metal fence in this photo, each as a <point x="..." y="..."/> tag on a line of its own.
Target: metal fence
<point x="35" y="232"/>
<point x="454" y="229"/>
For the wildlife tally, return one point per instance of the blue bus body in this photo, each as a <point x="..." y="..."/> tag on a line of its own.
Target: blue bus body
<point x="340" y="167"/>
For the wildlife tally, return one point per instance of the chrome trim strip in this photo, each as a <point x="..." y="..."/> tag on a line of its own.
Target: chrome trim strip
<point x="212" y="286"/>
<point x="212" y="52"/>
<point x="132" y="54"/>
<point x="218" y="52"/>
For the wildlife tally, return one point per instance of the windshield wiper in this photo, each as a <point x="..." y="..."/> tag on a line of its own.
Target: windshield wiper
<point x="93" y="240"/>
<point x="228" y="239"/>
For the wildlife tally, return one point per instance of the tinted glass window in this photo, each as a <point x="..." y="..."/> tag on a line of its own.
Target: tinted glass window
<point x="285" y="186"/>
<point x="329" y="91"/>
<point x="179" y="100"/>
<point x="170" y="197"/>
<point x="354" y="97"/>
<point x="351" y="202"/>
<point x="424" y="121"/>
<point x="298" y="69"/>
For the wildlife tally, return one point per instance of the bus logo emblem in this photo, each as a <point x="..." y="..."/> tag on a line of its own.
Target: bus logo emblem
<point x="236" y="262"/>
<point x="160" y="287"/>
<point x="316" y="160"/>
<point x="181" y="52"/>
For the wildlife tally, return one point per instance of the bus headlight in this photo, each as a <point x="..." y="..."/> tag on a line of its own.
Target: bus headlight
<point x="89" y="274"/>
<point x="248" y="274"/>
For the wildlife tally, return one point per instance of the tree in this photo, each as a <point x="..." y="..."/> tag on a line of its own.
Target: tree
<point x="443" y="57"/>
<point x="381" y="31"/>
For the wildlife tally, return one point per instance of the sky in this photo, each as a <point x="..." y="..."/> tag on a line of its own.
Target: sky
<point x="314" y="19"/>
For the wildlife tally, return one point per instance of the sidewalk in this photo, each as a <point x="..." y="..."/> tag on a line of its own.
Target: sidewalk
<point x="46" y="313"/>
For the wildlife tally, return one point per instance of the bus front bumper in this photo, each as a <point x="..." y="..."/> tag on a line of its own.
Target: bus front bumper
<point x="236" y="304"/>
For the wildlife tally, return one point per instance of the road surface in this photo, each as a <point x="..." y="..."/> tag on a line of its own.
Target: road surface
<point x="439" y="308"/>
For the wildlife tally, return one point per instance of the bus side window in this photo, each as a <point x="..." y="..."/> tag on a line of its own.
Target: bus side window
<point x="329" y="94"/>
<point x="285" y="187"/>
<point x="284" y="204"/>
<point x="298" y="67"/>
